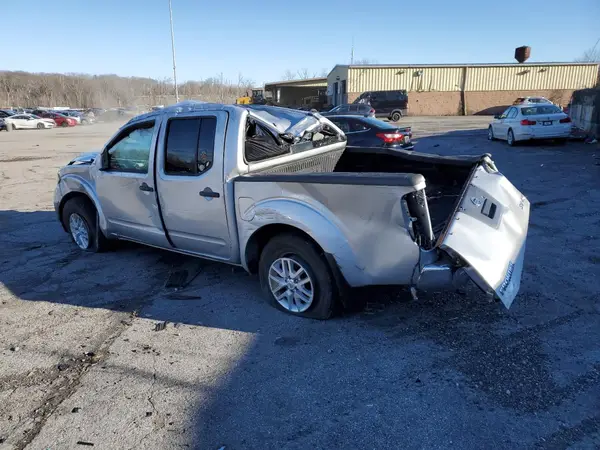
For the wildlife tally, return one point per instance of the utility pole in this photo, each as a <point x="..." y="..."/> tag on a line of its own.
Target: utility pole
<point x="173" y="51"/>
<point x="352" y="52"/>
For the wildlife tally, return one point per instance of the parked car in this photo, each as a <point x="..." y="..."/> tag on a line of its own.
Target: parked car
<point x="59" y="119"/>
<point x="6" y="113"/>
<point x="532" y="101"/>
<point x="276" y="191"/>
<point x="3" y="125"/>
<point x="74" y="115"/>
<point x="25" y="121"/>
<point x="523" y="122"/>
<point x="392" y="105"/>
<point x="371" y="132"/>
<point x="351" y="110"/>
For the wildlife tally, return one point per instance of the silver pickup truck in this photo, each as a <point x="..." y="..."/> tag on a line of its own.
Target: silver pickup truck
<point x="277" y="192"/>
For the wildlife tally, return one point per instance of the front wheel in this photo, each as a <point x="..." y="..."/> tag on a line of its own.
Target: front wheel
<point x="295" y="277"/>
<point x="79" y="219"/>
<point x="396" y="116"/>
<point x="510" y="138"/>
<point x="40" y="126"/>
<point x="64" y="124"/>
<point x="491" y="134"/>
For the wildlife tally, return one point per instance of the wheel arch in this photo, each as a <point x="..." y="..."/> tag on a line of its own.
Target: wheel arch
<point x="259" y="239"/>
<point x="74" y="186"/>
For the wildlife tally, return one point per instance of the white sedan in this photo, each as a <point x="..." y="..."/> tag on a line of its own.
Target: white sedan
<point x="526" y="122"/>
<point x="25" y="121"/>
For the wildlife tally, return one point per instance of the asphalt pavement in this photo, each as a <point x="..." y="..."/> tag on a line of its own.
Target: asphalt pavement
<point x="96" y="349"/>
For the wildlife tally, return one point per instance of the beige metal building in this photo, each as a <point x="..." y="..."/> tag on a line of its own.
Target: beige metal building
<point x="450" y="89"/>
<point x="296" y="92"/>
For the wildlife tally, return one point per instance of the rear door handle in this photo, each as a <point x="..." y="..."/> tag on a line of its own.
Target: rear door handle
<point x="209" y="193"/>
<point x="144" y="187"/>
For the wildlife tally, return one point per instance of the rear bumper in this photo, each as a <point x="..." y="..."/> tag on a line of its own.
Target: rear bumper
<point x="554" y="134"/>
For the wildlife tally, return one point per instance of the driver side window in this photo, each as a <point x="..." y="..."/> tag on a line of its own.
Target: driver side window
<point x="131" y="150"/>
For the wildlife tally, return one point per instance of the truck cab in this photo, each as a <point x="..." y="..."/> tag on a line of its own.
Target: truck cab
<point x="277" y="192"/>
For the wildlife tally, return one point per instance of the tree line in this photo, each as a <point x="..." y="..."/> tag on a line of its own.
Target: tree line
<point x="30" y="90"/>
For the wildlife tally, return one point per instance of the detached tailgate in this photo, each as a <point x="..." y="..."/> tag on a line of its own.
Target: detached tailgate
<point x="489" y="230"/>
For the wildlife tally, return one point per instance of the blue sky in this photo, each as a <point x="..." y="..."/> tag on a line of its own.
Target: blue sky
<point x="262" y="39"/>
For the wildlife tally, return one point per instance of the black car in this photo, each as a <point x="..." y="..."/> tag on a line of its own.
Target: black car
<point x="350" y="110"/>
<point x="389" y="104"/>
<point x="6" y="113"/>
<point x="371" y="132"/>
<point x="3" y="125"/>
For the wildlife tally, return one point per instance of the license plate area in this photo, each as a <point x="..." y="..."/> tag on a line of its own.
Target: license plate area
<point x="547" y="122"/>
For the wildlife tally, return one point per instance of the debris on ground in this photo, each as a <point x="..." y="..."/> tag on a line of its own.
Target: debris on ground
<point x="148" y="413"/>
<point x="76" y="409"/>
<point x="14" y="348"/>
<point x="160" y="326"/>
<point x="88" y="444"/>
<point x="62" y="366"/>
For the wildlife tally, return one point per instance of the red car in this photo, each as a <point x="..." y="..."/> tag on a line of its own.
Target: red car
<point x="60" y="119"/>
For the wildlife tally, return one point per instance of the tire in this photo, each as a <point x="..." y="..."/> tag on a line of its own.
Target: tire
<point x="396" y="116"/>
<point x="301" y="254"/>
<point x="40" y="126"/>
<point x="80" y="208"/>
<point x="491" y="136"/>
<point x="13" y="126"/>
<point x="64" y="124"/>
<point x="510" y="138"/>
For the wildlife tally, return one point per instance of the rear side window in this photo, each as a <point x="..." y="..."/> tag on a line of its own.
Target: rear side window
<point x="190" y="146"/>
<point x="342" y="124"/>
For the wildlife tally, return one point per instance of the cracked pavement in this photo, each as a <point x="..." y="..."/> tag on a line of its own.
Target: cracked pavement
<point x="81" y="362"/>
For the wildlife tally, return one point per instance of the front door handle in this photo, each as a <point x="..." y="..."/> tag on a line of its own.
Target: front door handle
<point x="144" y="187"/>
<point x="209" y="193"/>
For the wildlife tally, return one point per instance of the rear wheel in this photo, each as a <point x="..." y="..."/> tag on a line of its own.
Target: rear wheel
<point x="491" y="134"/>
<point x="64" y="123"/>
<point x="295" y="277"/>
<point x="79" y="218"/>
<point x="396" y="116"/>
<point x="510" y="138"/>
<point x="40" y="126"/>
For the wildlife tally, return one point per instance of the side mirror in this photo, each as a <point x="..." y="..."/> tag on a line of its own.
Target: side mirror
<point x="497" y="116"/>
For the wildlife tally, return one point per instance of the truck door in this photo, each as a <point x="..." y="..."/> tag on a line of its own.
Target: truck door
<point x="125" y="186"/>
<point x="190" y="182"/>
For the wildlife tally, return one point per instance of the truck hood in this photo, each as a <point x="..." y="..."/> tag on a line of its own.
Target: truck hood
<point x="85" y="158"/>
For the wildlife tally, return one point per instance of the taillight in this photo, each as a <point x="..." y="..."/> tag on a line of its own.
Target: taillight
<point x="565" y="120"/>
<point x="390" y="138"/>
<point x="527" y="122"/>
<point x="372" y="111"/>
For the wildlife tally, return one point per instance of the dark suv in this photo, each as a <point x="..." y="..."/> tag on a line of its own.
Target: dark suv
<point x="390" y="104"/>
<point x="351" y="110"/>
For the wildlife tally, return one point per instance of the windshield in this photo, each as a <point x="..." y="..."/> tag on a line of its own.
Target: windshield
<point x="545" y="109"/>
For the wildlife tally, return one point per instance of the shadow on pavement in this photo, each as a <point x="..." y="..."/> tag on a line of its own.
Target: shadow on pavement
<point x="445" y="371"/>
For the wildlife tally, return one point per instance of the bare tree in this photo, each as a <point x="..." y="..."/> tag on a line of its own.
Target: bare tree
<point x="591" y="54"/>
<point x="26" y="89"/>
<point x="364" y="61"/>
<point x="289" y="75"/>
<point x="303" y="74"/>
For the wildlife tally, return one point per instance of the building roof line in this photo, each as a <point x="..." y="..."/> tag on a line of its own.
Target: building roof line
<point x="305" y="80"/>
<point x="526" y="64"/>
